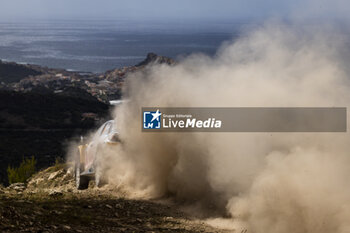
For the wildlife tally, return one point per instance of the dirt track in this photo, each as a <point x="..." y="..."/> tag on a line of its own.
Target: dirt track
<point x="50" y="204"/>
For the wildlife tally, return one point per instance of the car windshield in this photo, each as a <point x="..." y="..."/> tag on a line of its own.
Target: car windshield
<point x="105" y="129"/>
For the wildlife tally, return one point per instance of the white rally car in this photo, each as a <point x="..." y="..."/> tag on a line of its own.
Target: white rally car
<point x="88" y="164"/>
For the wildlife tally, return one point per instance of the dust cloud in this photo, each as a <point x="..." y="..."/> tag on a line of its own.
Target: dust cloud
<point x="265" y="182"/>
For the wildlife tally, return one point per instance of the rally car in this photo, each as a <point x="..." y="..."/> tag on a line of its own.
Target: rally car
<point x="88" y="161"/>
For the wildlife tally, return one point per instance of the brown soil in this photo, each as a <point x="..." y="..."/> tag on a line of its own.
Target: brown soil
<point x="50" y="203"/>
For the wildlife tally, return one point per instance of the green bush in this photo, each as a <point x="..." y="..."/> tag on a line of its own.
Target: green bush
<point x="21" y="174"/>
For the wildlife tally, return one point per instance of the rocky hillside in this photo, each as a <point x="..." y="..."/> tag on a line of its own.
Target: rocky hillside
<point x="50" y="203"/>
<point x="154" y="58"/>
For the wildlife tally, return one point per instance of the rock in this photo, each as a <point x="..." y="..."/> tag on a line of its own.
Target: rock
<point x="55" y="174"/>
<point x="55" y="193"/>
<point x="67" y="227"/>
<point x="58" y="212"/>
<point x="34" y="182"/>
<point x="19" y="187"/>
<point x="70" y="171"/>
<point x="32" y="192"/>
<point x="37" y="212"/>
<point x="109" y="206"/>
<point x="67" y="177"/>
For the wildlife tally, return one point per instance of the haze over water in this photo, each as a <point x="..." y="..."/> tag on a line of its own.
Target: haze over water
<point x="100" y="45"/>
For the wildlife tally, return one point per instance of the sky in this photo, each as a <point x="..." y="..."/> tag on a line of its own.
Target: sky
<point x="171" y="9"/>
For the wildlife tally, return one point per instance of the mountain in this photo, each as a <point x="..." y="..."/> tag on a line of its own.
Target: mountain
<point x="154" y="58"/>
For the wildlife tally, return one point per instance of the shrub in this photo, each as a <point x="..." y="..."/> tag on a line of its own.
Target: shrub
<point x="21" y="174"/>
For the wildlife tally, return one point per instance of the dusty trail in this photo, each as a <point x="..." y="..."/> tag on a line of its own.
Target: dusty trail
<point x="50" y="203"/>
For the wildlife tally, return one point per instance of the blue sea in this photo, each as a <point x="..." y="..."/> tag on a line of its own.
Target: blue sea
<point x="100" y="45"/>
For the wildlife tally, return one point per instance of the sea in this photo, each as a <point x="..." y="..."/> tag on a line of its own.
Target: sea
<point x="100" y="45"/>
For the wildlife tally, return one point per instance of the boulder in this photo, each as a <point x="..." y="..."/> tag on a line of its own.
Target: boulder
<point x="19" y="187"/>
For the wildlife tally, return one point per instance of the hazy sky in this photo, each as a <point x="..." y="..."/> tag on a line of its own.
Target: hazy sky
<point x="171" y="9"/>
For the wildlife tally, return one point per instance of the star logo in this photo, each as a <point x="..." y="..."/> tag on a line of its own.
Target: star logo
<point x="152" y="120"/>
<point x="156" y="115"/>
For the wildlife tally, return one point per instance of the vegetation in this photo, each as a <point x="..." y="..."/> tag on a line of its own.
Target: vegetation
<point x="21" y="174"/>
<point x="34" y="110"/>
<point x="11" y="72"/>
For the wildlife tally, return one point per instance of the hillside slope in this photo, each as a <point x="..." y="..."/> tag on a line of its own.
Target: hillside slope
<point x="50" y="203"/>
<point x="11" y="72"/>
